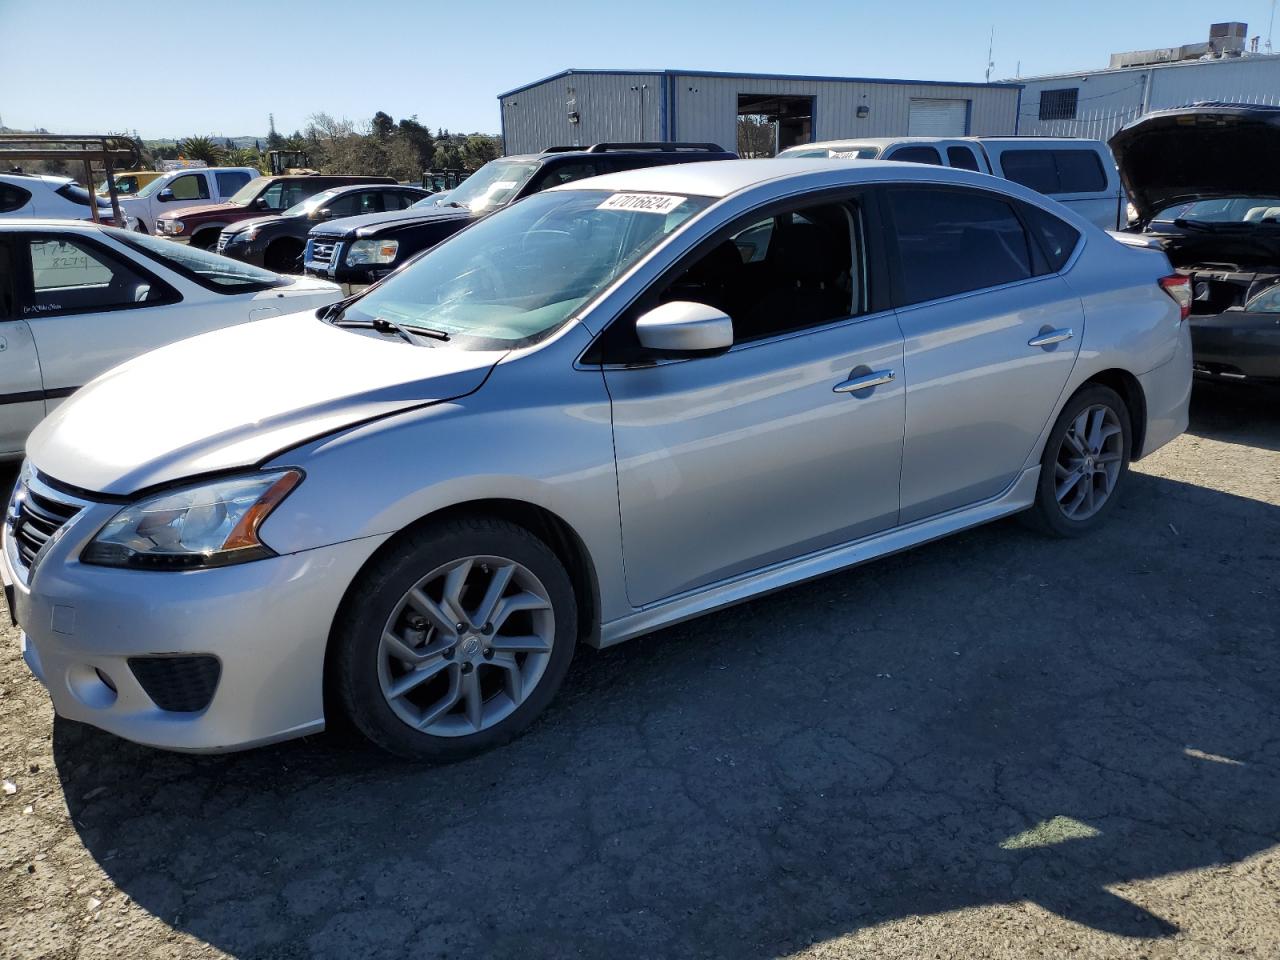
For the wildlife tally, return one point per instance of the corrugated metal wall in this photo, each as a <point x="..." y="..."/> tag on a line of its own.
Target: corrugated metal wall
<point x="706" y="108"/>
<point x="610" y="107"/>
<point x="630" y="107"/>
<point x="1109" y="100"/>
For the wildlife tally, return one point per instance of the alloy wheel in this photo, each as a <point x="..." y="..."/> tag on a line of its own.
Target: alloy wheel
<point x="466" y="645"/>
<point x="1089" y="462"/>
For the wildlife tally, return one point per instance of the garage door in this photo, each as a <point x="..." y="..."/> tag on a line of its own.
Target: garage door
<point x="938" y="118"/>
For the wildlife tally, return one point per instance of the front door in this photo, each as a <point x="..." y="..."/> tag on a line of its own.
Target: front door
<point x="991" y="337"/>
<point x="22" y="395"/>
<point x="729" y="463"/>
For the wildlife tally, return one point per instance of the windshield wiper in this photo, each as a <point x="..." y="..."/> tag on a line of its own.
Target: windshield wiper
<point x="409" y="332"/>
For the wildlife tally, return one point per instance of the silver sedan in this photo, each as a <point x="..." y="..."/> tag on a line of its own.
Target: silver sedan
<point x="610" y="407"/>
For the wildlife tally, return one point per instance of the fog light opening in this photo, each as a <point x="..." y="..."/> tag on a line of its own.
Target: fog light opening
<point x="91" y="686"/>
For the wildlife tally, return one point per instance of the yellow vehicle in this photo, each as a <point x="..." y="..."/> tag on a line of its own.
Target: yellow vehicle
<point x="130" y="182"/>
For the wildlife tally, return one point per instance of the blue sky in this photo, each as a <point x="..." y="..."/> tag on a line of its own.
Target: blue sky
<point x="164" y="73"/>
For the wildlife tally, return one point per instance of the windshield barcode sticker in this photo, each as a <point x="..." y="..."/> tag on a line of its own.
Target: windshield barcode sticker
<point x="642" y="202"/>
<point x="844" y="155"/>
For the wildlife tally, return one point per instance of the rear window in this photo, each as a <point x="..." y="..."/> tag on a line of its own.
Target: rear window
<point x="962" y="158"/>
<point x="78" y="194"/>
<point x="1055" y="171"/>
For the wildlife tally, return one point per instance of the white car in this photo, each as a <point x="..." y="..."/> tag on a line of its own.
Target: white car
<point x="77" y="299"/>
<point x="200" y="187"/>
<point x="57" y="198"/>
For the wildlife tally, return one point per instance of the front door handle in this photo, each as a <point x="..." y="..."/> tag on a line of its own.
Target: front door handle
<point x="1047" y="338"/>
<point x="876" y="378"/>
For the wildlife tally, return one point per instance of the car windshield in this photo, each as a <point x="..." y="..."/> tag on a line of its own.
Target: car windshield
<point x="223" y="273"/>
<point x="125" y="186"/>
<point x="153" y="187"/>
<point x="304" y="207"/>
<point x="522" y="272"/>
<point x="492" y="185"/>
<point x="1225" y="210"/>
<point x="244" y="196"/>
<point x="844" y="152"/>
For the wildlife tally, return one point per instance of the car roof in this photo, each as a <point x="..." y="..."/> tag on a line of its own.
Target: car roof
<point x="28" y="177"/>
<point x="27" y="223"/>
<point x="720" y="178"/>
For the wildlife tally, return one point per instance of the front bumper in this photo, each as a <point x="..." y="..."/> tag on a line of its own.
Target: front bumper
<point x="267" y="622"/>
<point x="1237" y="346"/>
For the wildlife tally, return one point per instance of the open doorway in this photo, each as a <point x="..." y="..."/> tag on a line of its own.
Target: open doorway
<point x="768" y="123"/>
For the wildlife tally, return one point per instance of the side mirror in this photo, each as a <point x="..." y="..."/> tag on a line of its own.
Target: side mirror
<point x="261" y="204"/>
<point x="165" y="195"/>
<point x="683" y="329"/>
<point x="324" y="213"/>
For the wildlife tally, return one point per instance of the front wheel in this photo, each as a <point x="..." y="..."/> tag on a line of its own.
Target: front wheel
<point x="1085" y="462"/>
<point x="455" y="640"/>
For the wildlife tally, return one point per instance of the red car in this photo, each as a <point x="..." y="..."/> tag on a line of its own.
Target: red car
<point x="200" y="226"/>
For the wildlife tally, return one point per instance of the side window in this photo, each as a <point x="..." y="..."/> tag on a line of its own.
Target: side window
<point x="1055" y="171"/>
<point x="1057" y="238"/>
<point x="370" y="201"/>
<point x="191" y="186"/>
<point x="12" y="198"/>
<point x="398" y="199"/>
<point x="274" y="196"/>
<point x="916" y="155"/>
<point x="954" y="241"/>
<point x="230" y="182"/>
<point x="347" y="205"/>
<point x="560" y="173"/>
<point x="787" y="272"/>
<point x="70" y="276"/>
<point x="962" y="158"/>
<point x="295" y="191"/>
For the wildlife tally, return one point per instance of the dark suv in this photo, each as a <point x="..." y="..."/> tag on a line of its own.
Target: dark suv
<point x="358" y="251"/>
<point x="200" y="226"/>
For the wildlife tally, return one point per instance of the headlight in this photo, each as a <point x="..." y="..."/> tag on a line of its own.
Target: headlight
<point x="210" y="525"/>
<point x="1268" y="301"/>
<point x="372" y="251"/>
<point x="174" y="226"/>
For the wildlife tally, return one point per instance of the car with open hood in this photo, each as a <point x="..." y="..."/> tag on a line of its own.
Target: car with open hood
<point x="411" y="506"/>
<point x="1205" y="187"/>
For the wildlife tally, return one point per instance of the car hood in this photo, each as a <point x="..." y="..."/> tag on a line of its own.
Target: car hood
<point x="259" y="222"/>
<point x="236" y="397"/>
<point x="366" y="223"/>
<point x="212" y="210"/>
<point x="1198" y="152"/>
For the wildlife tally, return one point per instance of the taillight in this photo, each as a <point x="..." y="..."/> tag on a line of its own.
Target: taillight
<point x="1179" y="288"/>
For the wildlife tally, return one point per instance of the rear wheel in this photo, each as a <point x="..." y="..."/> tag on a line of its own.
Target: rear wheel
<point x="455" y="640"/>
<point x="1085" y="462"/>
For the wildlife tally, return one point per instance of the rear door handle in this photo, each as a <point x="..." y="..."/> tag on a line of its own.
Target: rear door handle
<point x="1049" y="337"/>
<point x="876" y="378"/>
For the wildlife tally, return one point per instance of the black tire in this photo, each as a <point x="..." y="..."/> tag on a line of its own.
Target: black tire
<point x="358" y="630"/>
<point x="1047" y="515"/>
<point x="141" y="228"/>
<point x="207" y="240"/>
<point x="283" y="256"/>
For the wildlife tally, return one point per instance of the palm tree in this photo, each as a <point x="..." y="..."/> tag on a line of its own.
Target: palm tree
<point x="200" y="148"/>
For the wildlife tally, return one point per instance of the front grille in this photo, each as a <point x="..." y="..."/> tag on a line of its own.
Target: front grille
<point x="178" y="684"/>
<point x="36" y="516"/>
<point x="320" y="251"/>
<point x="222" y="241"/>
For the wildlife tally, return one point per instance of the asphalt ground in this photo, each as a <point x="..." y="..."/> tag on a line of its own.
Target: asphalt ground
<point x="993" y="746"/>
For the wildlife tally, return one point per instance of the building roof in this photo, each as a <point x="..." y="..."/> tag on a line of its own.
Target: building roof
<point x="1002" y="84"/>
<point x="1273" y="58"/>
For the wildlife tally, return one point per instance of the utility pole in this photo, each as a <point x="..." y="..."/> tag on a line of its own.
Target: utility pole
<point x="991" y="45"/>
<point x="1271" y="25"/>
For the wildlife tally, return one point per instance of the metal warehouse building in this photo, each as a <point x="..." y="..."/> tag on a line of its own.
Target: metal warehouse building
<point x="581" y="107"/>
<point x="1097" y="103"/>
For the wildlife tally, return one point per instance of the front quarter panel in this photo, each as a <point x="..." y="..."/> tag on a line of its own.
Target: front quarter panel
<point x="538" y="432"/>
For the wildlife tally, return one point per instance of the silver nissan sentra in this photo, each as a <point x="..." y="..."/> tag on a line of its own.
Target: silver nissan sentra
<point x="613" y="406"/>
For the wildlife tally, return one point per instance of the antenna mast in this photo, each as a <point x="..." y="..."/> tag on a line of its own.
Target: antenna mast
<point x="1271" y="25"/>
<point x="991" y="44"/>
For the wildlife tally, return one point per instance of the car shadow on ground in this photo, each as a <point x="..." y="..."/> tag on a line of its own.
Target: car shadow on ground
<point x="1245" y="413"/>
<point x="992" y="718"/>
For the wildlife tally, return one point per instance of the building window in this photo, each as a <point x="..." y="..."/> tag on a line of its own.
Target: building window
<point x="1059" y="104"/>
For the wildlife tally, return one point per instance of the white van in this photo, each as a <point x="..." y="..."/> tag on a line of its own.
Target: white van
<point x="183" y="188"/>
<point x="1079" y="173"/>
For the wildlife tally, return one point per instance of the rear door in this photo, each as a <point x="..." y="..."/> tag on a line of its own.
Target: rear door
<point x="21" y="390"/>
<point x="991" y="334"/>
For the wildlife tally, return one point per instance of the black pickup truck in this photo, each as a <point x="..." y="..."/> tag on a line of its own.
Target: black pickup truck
<point x="358" y="251"/>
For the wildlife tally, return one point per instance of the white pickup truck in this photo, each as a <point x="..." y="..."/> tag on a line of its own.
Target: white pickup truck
<point x="199" y="187"/>
<point x="1078" y="173"/>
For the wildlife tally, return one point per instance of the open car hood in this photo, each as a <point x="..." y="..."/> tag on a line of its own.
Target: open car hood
<point x="235" y="397"/>
<point x="1199" y="152"/>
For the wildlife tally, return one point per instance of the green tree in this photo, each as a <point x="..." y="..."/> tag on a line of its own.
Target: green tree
<point x="200" y="148"/>
<point x="382" y="125"/>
